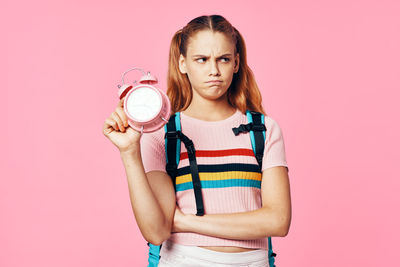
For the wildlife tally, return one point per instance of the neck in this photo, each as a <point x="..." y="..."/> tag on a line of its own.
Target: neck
<point x="209" y="110"/>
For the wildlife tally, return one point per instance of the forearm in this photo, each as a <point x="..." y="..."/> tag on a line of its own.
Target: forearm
<point x="249" y="225"/>
<point x="148" y="213"/>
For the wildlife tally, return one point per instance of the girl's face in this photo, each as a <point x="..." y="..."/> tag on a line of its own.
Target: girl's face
<point x="210" y="56"/>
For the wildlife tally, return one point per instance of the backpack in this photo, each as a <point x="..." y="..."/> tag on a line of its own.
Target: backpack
<point x="174" y="136"/>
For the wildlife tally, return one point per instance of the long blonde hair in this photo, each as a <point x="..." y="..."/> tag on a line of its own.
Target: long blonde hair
<point x="243" y="92"/>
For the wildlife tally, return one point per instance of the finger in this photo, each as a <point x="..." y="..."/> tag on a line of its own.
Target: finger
<point x="109" y="126"/>
<point x="116" y="117"/>
<point x="121" y="102"/>
<point x="122" y="115"/>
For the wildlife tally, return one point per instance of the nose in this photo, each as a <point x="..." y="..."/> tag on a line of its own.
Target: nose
<point x="214" y="68"/>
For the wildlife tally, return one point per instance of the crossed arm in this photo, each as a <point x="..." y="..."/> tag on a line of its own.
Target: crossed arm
<point x="154" y="205"/>
<point x="272" y="219"/>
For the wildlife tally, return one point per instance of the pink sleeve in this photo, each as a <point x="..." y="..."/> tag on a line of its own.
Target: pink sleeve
<point x="153" y="151"/>
<point x="274" y="150"/>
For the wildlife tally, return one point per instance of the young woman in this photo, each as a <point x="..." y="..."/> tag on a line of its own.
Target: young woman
<point x="211" y="86"/>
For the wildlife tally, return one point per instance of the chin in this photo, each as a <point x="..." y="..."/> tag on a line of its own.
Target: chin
<point x="213" y="97"/>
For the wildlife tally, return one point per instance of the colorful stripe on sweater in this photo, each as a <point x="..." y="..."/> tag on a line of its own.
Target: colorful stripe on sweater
<point x="220" y="175"/>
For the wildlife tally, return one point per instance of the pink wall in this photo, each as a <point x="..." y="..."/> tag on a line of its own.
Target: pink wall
<point x="329" y="73"/>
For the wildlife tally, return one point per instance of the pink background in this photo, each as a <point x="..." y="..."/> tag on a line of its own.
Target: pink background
<point x="329" y="73"/>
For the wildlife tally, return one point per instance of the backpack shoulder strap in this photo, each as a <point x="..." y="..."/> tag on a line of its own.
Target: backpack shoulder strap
<point x="257" y="129"/>
<point x="154" y="255"/>
<point x="173" y="138"/>
<point x="257" y="142"/>
<point x="257" y="134"/>
<point x="172" y="145"/>
<point x="172" y="152"/>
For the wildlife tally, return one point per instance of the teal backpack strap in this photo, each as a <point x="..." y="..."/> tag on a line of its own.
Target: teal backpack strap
<point x="271" y="254"/>
<point x="257" y="134"/>
<point x="257" y="141"/>
<point x="172" y="144"/>
<point x="173" y="137"/>
<point x="154" y="255"/>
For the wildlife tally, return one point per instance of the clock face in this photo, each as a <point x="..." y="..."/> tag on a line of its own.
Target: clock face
<point x="143" y="104"/>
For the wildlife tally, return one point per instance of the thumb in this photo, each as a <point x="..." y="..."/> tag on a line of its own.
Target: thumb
<point x="121" y="102"/>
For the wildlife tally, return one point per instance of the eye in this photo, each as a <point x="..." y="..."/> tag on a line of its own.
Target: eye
<point x="227" y="59"/>
<point x="200" y="58"/>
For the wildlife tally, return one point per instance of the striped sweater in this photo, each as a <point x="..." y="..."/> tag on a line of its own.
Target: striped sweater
<point x="228" y="170"/>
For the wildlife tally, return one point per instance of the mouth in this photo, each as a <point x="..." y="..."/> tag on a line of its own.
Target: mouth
<point x="214" y="82"/>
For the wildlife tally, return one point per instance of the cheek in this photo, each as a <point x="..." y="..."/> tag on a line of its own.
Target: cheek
<point x="229" y="68"/>
<point x="227" y="72"/>
<point x="196" y="76"/>
<point x="193" y="80"/>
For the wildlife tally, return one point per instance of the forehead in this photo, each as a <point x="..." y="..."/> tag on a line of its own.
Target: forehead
<point x="208" y="42"/>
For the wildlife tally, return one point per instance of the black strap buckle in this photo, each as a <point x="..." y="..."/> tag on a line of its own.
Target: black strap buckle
<point x="258" y="128"/>
<point x="190" y="147"/>
<point x="172" y="135"/>
<point x="243" y="128"/>
<point x="249" y="127"/>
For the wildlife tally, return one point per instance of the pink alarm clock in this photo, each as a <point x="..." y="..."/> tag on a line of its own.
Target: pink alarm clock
<point x="147" y="107"/>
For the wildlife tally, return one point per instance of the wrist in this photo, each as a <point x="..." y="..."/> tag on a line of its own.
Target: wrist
<point x="189" y="222"/>
<point x="130" y="153"/>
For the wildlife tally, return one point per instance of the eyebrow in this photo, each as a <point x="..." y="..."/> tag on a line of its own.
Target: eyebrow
<point x="224" y="55"/>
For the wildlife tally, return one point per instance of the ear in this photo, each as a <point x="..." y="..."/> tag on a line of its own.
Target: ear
<point x="182" y="64"/>
<point x="237" y="61"/>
